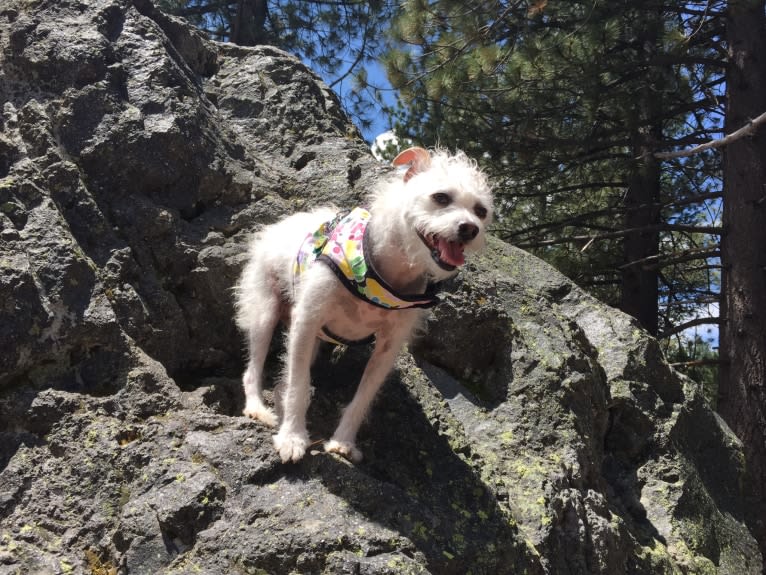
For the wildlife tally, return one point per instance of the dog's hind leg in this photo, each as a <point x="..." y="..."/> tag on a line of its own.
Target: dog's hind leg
<point x="307" y="318"/>
<point x="262" y="322"/>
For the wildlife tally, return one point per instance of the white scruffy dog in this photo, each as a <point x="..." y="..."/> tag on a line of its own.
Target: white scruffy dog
<point x="355" y="276"/>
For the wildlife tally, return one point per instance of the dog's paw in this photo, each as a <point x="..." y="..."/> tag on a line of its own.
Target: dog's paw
<point x="291" y="446"/>
<point x="344" y="448"/>
<point x="261" y="413"/>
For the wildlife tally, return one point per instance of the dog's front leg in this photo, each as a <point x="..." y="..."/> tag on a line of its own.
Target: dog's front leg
<point x="259" y="336"/>
<point x="387" y="345"/>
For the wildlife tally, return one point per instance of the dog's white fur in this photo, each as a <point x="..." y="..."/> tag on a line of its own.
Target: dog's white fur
<point x="266" y="292"/>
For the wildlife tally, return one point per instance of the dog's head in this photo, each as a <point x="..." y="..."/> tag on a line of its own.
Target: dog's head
<point x="449" y="206"/>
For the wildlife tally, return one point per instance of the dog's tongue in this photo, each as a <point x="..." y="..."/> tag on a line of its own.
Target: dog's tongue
<point x="451" y="252"/>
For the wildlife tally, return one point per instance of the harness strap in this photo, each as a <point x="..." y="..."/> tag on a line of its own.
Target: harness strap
<point x="331" y="337"/>
<point x="347" y="253"/>
<point x="341" y="245"/>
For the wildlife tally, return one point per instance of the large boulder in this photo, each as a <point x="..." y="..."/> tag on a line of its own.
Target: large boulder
<point x="532" y="430"/>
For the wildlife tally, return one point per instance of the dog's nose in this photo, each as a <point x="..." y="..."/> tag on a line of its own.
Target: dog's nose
<point x="466" y="231"/>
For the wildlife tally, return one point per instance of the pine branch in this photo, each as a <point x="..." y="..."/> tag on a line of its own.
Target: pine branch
<point x="686" y="325"/>
<point x="605" y="282"/>
<point x="746" y="130"/>
<point x="696" y="199"/>
<point x="577" y="221"/>
<point x="360" y="56"/>
<point x="573" y="188"/>
<point x="716" y="230"/>
<point x="202" y="9"/>
<point x="696" y="302"/>
<point x="665" y="260"/>
<point x="698" y="362"/>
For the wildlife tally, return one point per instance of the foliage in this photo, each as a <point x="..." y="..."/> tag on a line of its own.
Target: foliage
<point x="564" y="102"/>
<point x="337" y="38"/>
<point x="698" y="359"/>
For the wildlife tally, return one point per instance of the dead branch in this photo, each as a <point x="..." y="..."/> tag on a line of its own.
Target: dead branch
<point x="745" y="130"/>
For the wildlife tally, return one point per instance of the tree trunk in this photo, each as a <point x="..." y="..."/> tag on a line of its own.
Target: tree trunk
<point x="248" y="27"/>
<point x="639" y="289"/>
<point x="742" y="388"/>
<point x="640" y="292"/>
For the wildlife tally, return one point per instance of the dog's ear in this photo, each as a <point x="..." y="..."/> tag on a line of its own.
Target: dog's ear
<point x="419" y="160"/>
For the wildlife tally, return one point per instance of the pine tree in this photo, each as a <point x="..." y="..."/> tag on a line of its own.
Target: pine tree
<point x="742" y="396"/>
<point x="565" y="102"/>
<point x="337" y="38"/>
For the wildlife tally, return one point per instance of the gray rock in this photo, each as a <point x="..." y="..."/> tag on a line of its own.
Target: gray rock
<point x="532" y="430"/>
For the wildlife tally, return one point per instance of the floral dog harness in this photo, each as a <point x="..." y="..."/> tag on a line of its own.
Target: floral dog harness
<point x="340" y="244"/>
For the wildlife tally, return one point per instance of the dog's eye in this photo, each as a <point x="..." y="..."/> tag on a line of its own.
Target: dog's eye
<point x="441" y="198"/>
<point x="480" y="211"/>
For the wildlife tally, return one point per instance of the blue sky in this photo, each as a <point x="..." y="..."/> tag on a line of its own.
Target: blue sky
<point x="376" y="76"/>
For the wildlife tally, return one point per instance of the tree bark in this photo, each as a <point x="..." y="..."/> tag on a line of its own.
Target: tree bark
<point x="248" y="26"/>
<point x="639" y="288"/>
<point x="742" y="388"/>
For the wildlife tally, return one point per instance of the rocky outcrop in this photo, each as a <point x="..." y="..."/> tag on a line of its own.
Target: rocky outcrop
<point x="533" y="430"/>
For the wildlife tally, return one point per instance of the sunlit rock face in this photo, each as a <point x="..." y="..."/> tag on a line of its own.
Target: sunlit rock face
<point x="530" y="430"/>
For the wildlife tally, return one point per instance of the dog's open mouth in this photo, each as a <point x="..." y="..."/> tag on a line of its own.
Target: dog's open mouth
<point x="447" y="254"/>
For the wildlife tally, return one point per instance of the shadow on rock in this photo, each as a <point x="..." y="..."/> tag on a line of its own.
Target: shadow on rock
<point x="415" y="481"/>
